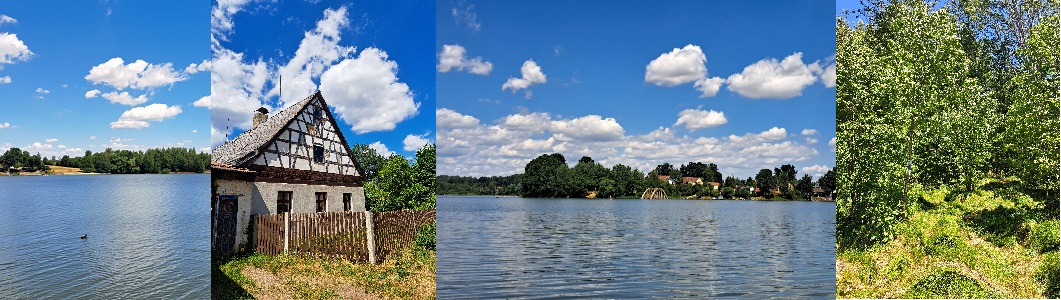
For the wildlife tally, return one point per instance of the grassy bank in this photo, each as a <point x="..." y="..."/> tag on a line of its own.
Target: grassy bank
<point x="409" y="274"/>
<point x="993" y="242"/>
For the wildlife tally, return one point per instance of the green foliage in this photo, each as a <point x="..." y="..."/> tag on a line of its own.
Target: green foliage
<point x="425" y="236"/>
<point x="546" y="176"/>
<point x="493" y="185"/>
<point x="400" y="185"/>
<point x="117" y="161"/>
<point x="1045" y="238"/>
<point x="1049" y="276"/>
<point x="948" y="284"/>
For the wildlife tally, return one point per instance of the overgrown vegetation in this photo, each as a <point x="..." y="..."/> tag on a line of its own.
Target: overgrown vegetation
<point x="947" y="149"/>
<point x="394" y="183"/>
<point x="409" y="274"/>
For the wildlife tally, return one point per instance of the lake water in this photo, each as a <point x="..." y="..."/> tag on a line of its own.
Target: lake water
<point x="493" y="248"/>
<point x="148" y="237"/>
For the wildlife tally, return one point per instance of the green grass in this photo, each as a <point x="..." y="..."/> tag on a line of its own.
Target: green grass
<point x="408" y="274"/>
<point x="995" y="241"/>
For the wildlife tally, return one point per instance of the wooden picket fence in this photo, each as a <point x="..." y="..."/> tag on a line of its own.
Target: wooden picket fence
<point x="340" y="234"/>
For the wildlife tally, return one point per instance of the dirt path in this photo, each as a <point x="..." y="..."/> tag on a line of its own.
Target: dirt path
<point x="289" y="286"/>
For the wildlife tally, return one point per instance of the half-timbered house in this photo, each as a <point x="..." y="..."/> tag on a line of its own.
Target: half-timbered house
<point x="294" y="161"/>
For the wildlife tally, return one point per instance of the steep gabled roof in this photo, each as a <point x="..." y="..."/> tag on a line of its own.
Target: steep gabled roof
<point x="247" y="145"/>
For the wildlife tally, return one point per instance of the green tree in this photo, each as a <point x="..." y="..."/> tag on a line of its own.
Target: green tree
<point x="764" y="180"/>
<point x="371" y="162"/>
<point x="545" y="176"/>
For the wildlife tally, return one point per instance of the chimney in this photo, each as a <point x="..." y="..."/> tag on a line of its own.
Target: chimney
<point x="260" y="116"/>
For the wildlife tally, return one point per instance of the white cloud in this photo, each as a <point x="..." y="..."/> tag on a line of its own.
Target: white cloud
<point x="809" y="132"/>
<point x="123" y="98"/>
<point x="381" y="149"/>
<point x="5" y="125"/>
<point x="366" y="93"/>
<point x="709" y="86"/>
<point x="42" y="91"/>
<point x="202" y="102"/>
<point x="505" y="147"/>
<point x="195" y="130"/>
<point x="92" y="138"/>
<point x="464" y="14"/>
<point x="415" y="142"/>
<point x="61" y="146"/>
<point x="829" y="76"/>
<point x="51" y="140"/>
<point x="453" y="57"/>
<point x="137" y="75"/>
<point x="532" y="74"/>
<point x="677" y="67"/>
<point x="448" y="119"/>
<point x="137" y="117"/>
<point x="769" y="78"/>
<point x="832" y="143"/>
<point x="588" y="128"/>
<point x="5" y="80"/>
<point x="694" y="119"/>
<point x="12" y="49"/>
<point x="816" y="170"/>
<point x="92" y="94"/>
<point x="774" y="133"/>
<point x="318" y="50"/>
<point x="811" y="140"/>
<point x="236" y="89"/>
<point x="7" y="19"/>
<point x="221" y="17"/>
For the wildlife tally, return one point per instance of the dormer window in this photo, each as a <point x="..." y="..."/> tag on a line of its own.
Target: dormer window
<point x="318" y="153"/>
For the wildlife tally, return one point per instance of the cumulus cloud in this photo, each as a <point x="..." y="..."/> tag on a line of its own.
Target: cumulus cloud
<point x="318" y="50"/>
<point x="681" y="66"/>
<point x="92" y="94"/>
<point x="816" y="170"/>
<point x="12" y="49"/>
<point x="138" y="117"/>
<point x="366" y="93"/>
<point x="381" y="149"/>
<point x="829" y="76"/>
<point x="774" y="133"/>
<point x="5" y="80"/>
<point x="832" y="143"/>
<point x="809" y="132"/>
<point x="531" y="74"/>
<point x="42" y="91"/>
<point x="415" y="142"/>
<point x="202" y="102"/>
<point x="448" y="119"/>
<point x="122" y="98"/>
<point x="771" y="79"/>
<point x="464" y="14"/>
<point x="453" y="57"/>
<point x="236" y="89"/>
<point x="51" y="140"/>
<point x="694" y="119"/>
<point x="5" y="125"/>
<point x="588" y="128"/>
<point x="136" y="75"/>
<point x="677" y="67"/>
<point x="505" y="146"/>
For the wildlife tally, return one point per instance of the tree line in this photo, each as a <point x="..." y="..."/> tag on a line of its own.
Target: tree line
<point x="945" y="96"/>
<point x="150" y="161"/>
<point x="549" y="176"/>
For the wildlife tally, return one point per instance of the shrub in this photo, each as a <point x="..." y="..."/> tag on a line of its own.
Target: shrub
<point x="425" y="236"/>
<point x="1045" y="237"/>
<point x="1048" y="276"/>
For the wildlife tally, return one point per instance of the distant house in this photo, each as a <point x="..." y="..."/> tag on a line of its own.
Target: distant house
<point x="296" y="161"/>
<point x="693" y="180"/>
<point x="667" y="179"/>
<point x="715" y="185"/>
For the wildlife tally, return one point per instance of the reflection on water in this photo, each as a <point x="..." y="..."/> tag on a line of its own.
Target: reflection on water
<point x="558" y="248"/>
<point x="148" y="237"/>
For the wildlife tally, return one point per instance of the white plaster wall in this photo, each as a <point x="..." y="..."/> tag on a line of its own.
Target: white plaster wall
<point x="242" y="190"/>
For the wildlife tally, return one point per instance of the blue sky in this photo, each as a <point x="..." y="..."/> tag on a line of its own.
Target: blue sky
<point x="103" y="74"/>
<point x="372" y="60"/>
<point x="742" y="84"/>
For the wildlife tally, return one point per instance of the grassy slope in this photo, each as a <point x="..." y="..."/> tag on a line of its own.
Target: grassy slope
<point x="408" y="275"/>
<point x="988" y="243"/>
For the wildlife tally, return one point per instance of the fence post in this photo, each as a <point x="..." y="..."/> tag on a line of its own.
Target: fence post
<point x="371" y="237"/>
<point x="287" y="229"/>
